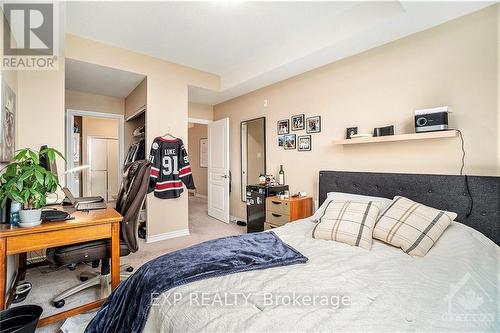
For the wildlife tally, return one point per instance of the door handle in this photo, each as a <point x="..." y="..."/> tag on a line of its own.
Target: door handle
<point x="225" y="176"/>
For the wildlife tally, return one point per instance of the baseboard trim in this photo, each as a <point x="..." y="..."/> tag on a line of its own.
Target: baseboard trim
<point x="203" y="196"/>
<point x="167" y="235"/>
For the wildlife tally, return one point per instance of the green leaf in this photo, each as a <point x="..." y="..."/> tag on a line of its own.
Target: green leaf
<point x="19" y="185"/>
<point x="21" y="154"/>
<point x="26" y="175"/>
<point x="51" y="155"/>
<point x="39" y="177"/>
<point x="34" y="156"/>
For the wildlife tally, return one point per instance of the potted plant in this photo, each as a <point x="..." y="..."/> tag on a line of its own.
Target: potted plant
<point x="24" y="180"/>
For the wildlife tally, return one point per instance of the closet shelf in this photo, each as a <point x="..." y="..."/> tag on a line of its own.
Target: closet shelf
<point x="137" y="113"/>
<point x="399" y="137"/>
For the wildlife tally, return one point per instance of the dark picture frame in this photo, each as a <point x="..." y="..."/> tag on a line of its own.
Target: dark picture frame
<point x="313" y="124"/>
<point x="350" y="131"/>
<point x="290" y="142"/>
<point x="304" y="143"/>
<point x="8" y="115"/>
<point x="283" y="126"/>
<point x="298" y="122"/>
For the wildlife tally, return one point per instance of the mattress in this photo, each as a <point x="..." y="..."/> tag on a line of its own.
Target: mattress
<point x="455" y="287"/>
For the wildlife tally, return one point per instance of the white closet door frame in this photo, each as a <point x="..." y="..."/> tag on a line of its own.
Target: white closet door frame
<point x="70" y="113"/>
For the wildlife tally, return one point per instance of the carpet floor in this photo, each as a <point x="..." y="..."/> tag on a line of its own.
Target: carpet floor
<point x="49" y="282"/>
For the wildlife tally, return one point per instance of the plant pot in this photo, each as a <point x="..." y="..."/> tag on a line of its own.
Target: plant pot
<point x="30" y="217"/>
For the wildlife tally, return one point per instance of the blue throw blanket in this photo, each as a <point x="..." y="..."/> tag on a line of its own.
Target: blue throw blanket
<point x="127" y="308"/>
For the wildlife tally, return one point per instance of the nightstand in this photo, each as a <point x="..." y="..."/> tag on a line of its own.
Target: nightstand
<point x="281" y="211"/>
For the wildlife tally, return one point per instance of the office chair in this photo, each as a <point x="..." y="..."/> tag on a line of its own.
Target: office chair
<point x="129" y="203"/>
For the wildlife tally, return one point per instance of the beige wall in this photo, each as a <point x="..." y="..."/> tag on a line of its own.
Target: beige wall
<point x="83" y="101"/>
<point x="453" y="64"/>
<point x="195" y="133"/>
<point x="136" y="100"/>
<point x="167" y="111"/>
<point x="100" y="127"/>
<point x="200" y="111"/>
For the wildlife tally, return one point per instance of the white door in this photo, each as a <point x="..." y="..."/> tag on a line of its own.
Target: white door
<point x="103" y="167"/>
<point x="218" y="169"/>
<point x="98" y="169"/>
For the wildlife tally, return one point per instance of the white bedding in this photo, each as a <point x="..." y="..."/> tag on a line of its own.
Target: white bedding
<point x="388" y="290"/>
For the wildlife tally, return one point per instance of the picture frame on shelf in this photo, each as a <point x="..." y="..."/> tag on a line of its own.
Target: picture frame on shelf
<point x="350" y="131"/>
<point x="283" y="126"/>
<point x="290" y="142"/>
<point x="304" y="143"/>
<point x="313" y="124"/>
<point x="298" y="122"/>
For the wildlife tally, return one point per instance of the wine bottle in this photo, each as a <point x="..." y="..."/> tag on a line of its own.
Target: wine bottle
<point x="281" y="176"/>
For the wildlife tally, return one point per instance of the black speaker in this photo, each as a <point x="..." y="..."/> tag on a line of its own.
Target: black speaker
<point x="383" y="131"/>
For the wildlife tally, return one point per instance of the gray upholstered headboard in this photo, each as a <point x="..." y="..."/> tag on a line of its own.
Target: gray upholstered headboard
<point x="438" y="191"/>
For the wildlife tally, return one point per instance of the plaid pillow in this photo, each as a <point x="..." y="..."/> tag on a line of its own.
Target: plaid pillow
<point x="347" y="222"/>
<point x="411" y="226"/>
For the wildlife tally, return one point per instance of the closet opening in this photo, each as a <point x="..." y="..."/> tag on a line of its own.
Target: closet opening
<point x="105" y="128"/>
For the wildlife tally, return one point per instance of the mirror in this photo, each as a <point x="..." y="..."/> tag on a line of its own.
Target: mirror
<point x="253" y="152"/>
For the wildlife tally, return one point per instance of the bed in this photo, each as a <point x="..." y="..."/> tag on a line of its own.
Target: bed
<point x="345" y="288"/>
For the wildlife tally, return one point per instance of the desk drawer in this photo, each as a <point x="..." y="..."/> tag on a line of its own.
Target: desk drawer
<point x="43" y="240"/>
<point x="276" y="206"/>
<point x="268" y="226"/>
<point x="277" y="219"/>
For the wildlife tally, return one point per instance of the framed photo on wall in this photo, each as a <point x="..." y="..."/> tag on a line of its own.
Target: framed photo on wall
<point x="281" y="140"/>
<point x="283" y="126"/>
<point x="313" y="124"/>
<point x="7" y="122"/>
<point x="304" y="143"/>
<point x="204" y="153"/>
<point x="290" y="143"/>
<point x="298" y="122"/>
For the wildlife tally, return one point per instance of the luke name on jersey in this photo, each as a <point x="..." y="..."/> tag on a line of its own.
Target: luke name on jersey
<point x="170" y="168"/>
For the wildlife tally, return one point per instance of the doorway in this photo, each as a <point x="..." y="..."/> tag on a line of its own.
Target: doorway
<point x="198" y="159"/>
<point x="95" y="147"/>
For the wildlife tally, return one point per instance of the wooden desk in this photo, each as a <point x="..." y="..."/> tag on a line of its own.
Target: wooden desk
<point x="87" y="226"/>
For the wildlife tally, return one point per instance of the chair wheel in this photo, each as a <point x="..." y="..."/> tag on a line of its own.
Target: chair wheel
<point x="72" y="267"/>
<point x="83" y="278"/>
<point x="130" y="269"/>
<point x="59" y="304"/>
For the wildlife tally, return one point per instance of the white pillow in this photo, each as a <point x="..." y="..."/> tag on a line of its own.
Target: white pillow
<point x="413" y="227"/>
<point x="381" y="203"/>
<point x="348" y="222"/>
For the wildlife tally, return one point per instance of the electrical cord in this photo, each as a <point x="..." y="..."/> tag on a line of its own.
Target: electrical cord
<point x="471" y="200"/>
<point x="463" y="152"/>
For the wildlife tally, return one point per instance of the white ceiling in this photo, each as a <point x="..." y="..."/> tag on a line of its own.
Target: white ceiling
<point x="254" y="44"/>
<point x="95" y="79"/>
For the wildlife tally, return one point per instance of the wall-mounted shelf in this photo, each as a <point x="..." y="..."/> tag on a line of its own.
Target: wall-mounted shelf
<point x="399" y="137"/>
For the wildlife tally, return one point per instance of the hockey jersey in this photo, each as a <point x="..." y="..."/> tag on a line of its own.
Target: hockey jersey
<point x="169" y="168"/>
